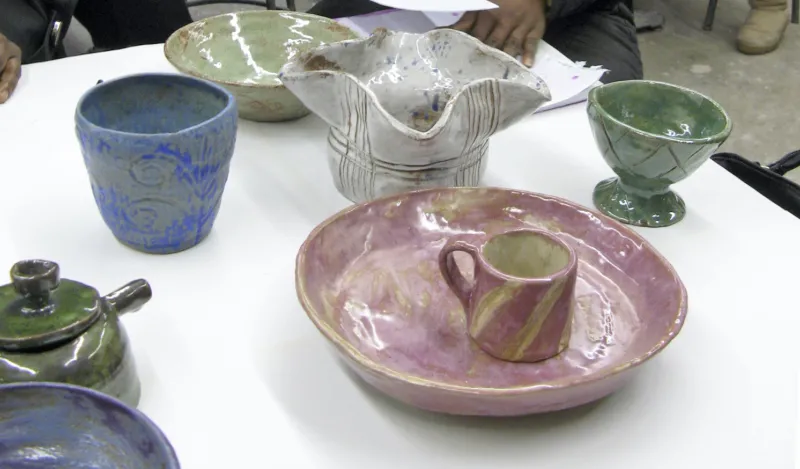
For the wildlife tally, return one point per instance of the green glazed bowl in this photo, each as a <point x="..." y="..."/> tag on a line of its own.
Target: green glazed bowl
<point x="245" y="51"/>
<point x="652" y="135"/>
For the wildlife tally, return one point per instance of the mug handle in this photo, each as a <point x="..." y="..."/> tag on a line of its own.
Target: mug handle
<point x="452" y="275"/>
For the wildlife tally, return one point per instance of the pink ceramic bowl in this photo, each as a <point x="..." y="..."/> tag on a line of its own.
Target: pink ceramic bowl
<point x="368" y="278"/>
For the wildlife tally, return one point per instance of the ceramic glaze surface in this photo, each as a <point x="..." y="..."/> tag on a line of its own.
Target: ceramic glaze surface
<point x="652" y="135"/>
<point x="158" y="150"/>
<point x="93" y="353"/>
<point x="519" y="307"/>
<point x="245" y="51"/>
<point x="410" y="111"/>
<point x="66" y="427"/>
<point x="369" y="279"/>
<point x="531" y="254"/>
<point x="100" y="359"/>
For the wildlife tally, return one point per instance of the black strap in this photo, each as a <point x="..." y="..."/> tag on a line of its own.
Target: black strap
<point x="787" y="163"/>
<point x="765" y="180"/>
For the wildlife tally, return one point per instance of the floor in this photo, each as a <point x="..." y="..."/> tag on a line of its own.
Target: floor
<point x="758" y="92"/>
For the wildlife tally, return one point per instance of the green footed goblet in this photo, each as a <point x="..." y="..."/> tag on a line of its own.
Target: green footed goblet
<point x="652" y="135"/>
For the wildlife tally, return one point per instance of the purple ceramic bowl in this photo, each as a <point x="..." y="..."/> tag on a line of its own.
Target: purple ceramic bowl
<point x="51" y="425"/>
<point x="368" y="278"/>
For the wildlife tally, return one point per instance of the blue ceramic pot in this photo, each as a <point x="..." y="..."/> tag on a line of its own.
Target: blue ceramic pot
<point x="157" y="148"/>
<point x="69" y="427"/>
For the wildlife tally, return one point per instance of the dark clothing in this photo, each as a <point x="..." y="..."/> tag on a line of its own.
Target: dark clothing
<point x="603" y="36"/>
<point x="344" y="8"/>
<point x="113" y="24"/>
<point x="30" y="25"/>
<point x="598" y="32"/>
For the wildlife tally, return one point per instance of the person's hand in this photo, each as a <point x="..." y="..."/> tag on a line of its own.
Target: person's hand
<point x="10" y="67"/>
<point x="515" y="27"/>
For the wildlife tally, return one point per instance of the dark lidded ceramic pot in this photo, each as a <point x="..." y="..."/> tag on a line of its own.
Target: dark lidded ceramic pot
<point x="60" y="330"/>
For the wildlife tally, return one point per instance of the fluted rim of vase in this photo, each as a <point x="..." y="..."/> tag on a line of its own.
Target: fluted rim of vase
<point x="440" y="124"/>
<point x="352" y="353"/>
<point x="719" y="137"/>
<point x="84" y="123"/>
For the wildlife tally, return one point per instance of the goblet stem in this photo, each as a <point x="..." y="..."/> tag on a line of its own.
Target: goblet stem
<point x="635" y="206"/>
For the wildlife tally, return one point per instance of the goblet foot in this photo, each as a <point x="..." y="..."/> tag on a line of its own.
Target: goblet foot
<point x="638" y="208"/>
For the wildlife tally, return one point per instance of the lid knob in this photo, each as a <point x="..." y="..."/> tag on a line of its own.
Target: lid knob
<point x="35" y="279"/>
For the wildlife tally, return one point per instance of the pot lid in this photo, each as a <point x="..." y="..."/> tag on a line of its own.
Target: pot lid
<point x="39" y="308"/>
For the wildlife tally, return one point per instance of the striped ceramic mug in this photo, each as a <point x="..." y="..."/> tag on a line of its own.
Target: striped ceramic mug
<point x="520" y="305"/>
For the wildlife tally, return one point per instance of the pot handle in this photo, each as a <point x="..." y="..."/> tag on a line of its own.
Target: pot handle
<point x="452" y="275"/>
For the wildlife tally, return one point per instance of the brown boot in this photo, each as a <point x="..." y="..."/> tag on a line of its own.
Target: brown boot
<point x="764" y="27"/>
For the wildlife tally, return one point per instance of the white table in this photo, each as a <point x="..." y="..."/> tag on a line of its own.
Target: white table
<point x="238" y="377"/>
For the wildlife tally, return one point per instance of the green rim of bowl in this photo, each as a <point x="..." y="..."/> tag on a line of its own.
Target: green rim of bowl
<point x="718" y="137"/>
<point x="266" y="13"/>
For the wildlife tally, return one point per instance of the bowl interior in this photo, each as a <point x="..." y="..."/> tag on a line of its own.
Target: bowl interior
<point x="152" y="104"/>
<point x="66" y="428"/>
<point x="662" y="110"/>
<point x="249" y="48"/>
<point x="414" y="76"/>
<point x="370" y="280"/>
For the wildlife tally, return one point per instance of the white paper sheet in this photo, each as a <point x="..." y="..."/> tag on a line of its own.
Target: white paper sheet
<point x="569" y="82"/>
<point x="438" y="5"/>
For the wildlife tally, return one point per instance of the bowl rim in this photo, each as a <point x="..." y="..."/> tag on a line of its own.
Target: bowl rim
<point x="718" y="137"/>
<point x="367" y="363"/>
<point x="83" y="123"/>
<point x="266" y="13"/>
<point x="569" y="268"/>
<point x="381" y="33"/>
<point x="172" y="458"/>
